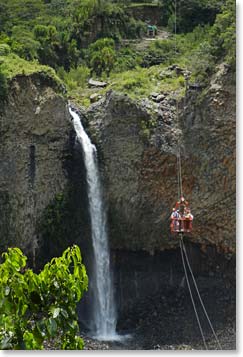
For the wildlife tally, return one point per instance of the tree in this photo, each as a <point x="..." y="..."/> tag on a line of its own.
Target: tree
<point x="102" y="56"/>
<point x="223" y="34"/>
<point x="41" y="307"/>
<point x="189" y="13"/>
<point x="23" y="43"/>
<point x="47" y="37"/>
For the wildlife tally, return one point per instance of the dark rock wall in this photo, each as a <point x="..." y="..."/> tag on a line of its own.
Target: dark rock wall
<point x="150" y="14"/>
<point x="34" y="132"/>
<point x="140" y="275"/>
<point x="209" y="137"/>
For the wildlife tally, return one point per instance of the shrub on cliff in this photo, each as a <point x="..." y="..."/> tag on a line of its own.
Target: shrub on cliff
<point x="223" y="34"/>
<point x="76" y="77"/>
<point x="160" y="51"/>
<point x="4" y="49"/>
<point x="126" y="59"/>
<point x="102" y="56"/>
<point x="38" y="308"/>
<point x="190" y="13"/>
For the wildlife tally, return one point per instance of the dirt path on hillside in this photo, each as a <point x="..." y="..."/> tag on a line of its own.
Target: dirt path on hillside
<point x="144" y="42"/>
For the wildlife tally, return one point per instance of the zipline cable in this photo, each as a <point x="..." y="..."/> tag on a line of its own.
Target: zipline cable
<point x="178" y="177"/>
<point x="199" y="296"/>
<point x="175" y="26"/>
<point x="189" y="288"/>
<point x="182" y="245"/>
<point x="180" y="172"/>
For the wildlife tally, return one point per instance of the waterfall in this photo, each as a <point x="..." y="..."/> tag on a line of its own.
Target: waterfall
<point x="103" y="304"/>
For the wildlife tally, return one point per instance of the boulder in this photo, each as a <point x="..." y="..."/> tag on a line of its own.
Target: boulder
<point x="160" y="98"/>
<point x="99" y="84"/>
<point x="94" y="97"/>
<point x="154" y="95"/>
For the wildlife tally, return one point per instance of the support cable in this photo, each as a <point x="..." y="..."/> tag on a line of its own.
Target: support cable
<point x="178" y="176"/>
<point x="180" y="172"/>
<point x="182" y="245"/>
<point x="199" y="296"/>
<point x="189" y="288"/>
<point x="175" y="26"/>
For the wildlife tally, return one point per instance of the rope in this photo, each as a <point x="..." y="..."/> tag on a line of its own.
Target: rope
<point x="178" y="150"/>
<point x="175" y="26"/>
<point x="199" y="296"/>
<point x="178" y="176"/>
<point x="180" y="172"/>
<point x="182" y="246"/>
<point x="189" y="288"/>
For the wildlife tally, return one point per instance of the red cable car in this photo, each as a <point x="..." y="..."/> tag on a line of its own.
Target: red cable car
<point x="181" y="217"/>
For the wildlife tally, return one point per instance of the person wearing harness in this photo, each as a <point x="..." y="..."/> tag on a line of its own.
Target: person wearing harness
<point x="174" y="220"/>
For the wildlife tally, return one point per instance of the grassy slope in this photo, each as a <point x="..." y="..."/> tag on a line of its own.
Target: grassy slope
<point x="12" y="65"/>
<point x="138" y="83"/>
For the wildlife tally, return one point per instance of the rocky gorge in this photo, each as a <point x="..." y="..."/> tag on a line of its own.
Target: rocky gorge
<point x="43" y="198"/>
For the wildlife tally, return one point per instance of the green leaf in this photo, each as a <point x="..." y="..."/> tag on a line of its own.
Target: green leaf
<point x="7" y="290"/>
<point x="56" y="312"/>
<point x="64" y="313"/>
<point x="51" y="327"/>
<point x="56" y="284"/>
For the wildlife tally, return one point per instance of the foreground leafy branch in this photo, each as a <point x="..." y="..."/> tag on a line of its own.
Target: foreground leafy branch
<point x="41" y="308"/>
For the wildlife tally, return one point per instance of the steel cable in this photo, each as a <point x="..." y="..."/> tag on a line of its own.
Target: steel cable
<point x="193" y="303"/>
<point x="199" y="296"/>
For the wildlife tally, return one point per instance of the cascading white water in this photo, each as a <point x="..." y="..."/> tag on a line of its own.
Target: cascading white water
<point x="103" y="304"/>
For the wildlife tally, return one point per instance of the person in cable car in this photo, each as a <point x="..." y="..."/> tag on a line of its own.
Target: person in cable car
<point x="181" y="217"/>
<point x="188" y="220"/>
<point x="174" y="220"/>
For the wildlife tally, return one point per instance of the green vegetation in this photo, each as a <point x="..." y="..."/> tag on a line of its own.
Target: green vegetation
<point x="223" y="34"/>
<point x="86" y="38"/>
<point x="41" y="308"/>
<point x="12" y="65"/>
<point x="76" y="78"/>
<point x="126" y="59"/>
<point x="140" y="82"/>
<point x="141" y="4"/>
<point x="25" y="27"/>
<point x="190" y="13"/>
<point x="102" y="56"/>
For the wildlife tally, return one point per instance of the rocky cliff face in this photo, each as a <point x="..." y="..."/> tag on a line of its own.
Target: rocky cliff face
<point x="138" y="149"/>
<point x="34" y="134"/>
<point x="42" y="173"/>
<point x="209" y="135"/>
